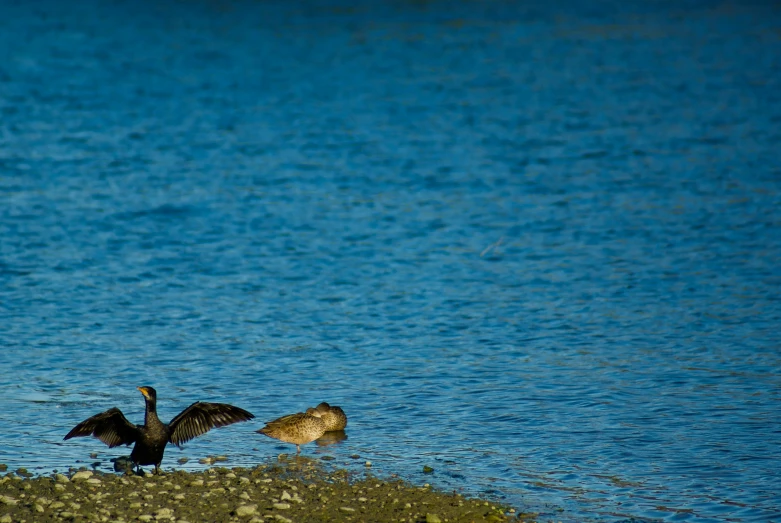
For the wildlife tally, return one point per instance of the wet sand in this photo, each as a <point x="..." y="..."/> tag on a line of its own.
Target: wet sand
<point x="298" y="489"/>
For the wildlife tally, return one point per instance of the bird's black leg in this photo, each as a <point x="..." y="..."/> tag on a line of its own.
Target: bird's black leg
<point x="157" y="468"/>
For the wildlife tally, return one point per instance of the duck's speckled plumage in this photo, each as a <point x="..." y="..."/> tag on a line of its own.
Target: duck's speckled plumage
<point x="333" y="417"/>
<point x="299" y="428"/>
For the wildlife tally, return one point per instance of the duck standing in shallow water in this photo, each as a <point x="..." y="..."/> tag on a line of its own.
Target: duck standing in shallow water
<point x="113" y="429"/>
<point x="299" y="428"/>
<point x="334" y="417"/>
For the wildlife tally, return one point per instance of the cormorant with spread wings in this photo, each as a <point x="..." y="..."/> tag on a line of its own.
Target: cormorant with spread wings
<point x="113" y="429"/>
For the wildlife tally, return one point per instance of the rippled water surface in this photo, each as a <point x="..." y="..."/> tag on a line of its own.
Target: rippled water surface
<point x="533" y="246"/>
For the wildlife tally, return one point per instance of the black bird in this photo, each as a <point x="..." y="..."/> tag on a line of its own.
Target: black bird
<point x="113" y="429"/>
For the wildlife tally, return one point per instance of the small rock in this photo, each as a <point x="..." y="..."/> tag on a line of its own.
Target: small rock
<point x="285" y="495"/>
<point x="230" y="475"/>
<point x="6" y="519"/>
<point x="164" y="513"/>
<point x="57" y="504"/>
<point x="82" y="474"/>
<point x="135" y="505"/>
<point x="347" y="509"/>
<point x="59" y="487"/>
<point x="368" y="464"/>
<point x="433" y="518"/>
<point x="67" y="515"/>
<point x="244" y="511"/>
<point x="196" y="483"/>
<point x="123" y="464"/>
<point x="145" y="517"/>
<point x="283" y="519"/>
<point x="182" y="461"/>
<point x="61" y="478"/>
<point x="427" y="469"/>
<point x="38" y="508"/>
<point x="244" y="496"/>
<point x="281" y="506"/>
<point x="93" y="481"/>
<point x="243" y="480"/>
<point x="8" y="500"/>
<point x="3" y="467"/>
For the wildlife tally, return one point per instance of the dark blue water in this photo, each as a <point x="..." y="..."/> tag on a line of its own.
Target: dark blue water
<point x="536" y="247"/>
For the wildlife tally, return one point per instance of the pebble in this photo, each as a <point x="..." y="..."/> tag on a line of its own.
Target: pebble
<point x="347" y="509"/>
<point x="281" y="506"/>
<point x="8" y="500"/>
<point x="61" y="478"/>
<point x="433" y="518"/>
<point x="82" y="474"/>
<point x="145" y="517"/>
<point x="285" y="495"/>
<point x="6" y="519"/>
<point x="244" y="511"/>
<point x="94" y="481"/>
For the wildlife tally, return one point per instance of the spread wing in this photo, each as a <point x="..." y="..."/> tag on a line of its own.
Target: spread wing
<point x="110" y="427"/>
<point x="199" y="418"/>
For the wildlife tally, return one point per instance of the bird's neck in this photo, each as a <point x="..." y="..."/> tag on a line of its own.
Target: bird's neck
<point x="150" y="416"/>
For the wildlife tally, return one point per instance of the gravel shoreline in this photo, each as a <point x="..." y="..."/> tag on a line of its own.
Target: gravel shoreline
<point x="295" y="491"/>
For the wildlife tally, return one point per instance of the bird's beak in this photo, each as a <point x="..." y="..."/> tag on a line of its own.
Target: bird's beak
<point x="143" y="391"/>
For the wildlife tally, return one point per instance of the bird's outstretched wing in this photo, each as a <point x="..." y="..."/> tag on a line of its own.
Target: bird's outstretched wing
<point x="110" y="427"/>
<point x="201" y="417"/>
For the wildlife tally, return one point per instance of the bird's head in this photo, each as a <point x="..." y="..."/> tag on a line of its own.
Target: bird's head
<point x="149" y="393"/>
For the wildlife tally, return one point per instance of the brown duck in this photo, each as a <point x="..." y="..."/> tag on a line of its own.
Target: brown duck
<point x="299" y="428"/>
<point x="333" y="417"/>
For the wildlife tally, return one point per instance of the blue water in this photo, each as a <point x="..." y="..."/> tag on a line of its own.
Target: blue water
<point x="535" y="246"/>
